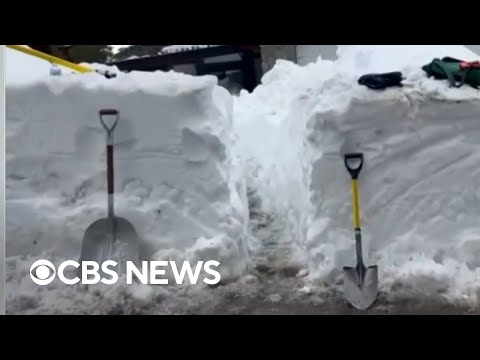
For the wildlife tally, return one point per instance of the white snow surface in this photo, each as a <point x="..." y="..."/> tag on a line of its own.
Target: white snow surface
<point x="182" y="48"/>
<point x="186" y="150"/>
<point x="385" y="58"/>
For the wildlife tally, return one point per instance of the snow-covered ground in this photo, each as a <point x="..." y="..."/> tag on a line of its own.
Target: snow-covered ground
<point x="190" y="154"/>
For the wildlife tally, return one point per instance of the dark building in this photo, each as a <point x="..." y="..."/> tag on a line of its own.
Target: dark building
<point x="236" y="66"/>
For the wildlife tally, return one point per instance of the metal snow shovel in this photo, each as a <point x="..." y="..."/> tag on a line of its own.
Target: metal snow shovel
<point x="111" y="238"/>
<point x="361" y="282"/>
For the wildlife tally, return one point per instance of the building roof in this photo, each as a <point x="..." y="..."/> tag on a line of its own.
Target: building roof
<point x="183" y="48"/>
<point x="182" y="55"/>
<point x="207" y="59"/>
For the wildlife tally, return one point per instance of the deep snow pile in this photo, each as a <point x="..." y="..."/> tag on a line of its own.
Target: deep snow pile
<point x="419" y="188"/>
<point x="173" y="169"/>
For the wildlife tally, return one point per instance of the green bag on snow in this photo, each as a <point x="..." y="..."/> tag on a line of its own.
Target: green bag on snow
<point x="457" y="72"/>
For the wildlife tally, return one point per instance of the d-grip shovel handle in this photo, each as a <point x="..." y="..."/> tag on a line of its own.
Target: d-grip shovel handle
<point x="354" y="171"/>
<point x="109" y="112"/>
<point x="110" y="174"/>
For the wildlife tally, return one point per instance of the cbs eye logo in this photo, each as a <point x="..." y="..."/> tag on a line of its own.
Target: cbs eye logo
<point x="42" y="272"/>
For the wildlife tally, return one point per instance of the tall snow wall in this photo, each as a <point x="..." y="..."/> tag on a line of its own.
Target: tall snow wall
<point x="173" y="169"/>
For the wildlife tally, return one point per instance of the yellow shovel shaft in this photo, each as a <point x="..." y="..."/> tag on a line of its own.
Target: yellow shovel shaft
<point x="53" y="59"/>
<point x="356" y="205"/>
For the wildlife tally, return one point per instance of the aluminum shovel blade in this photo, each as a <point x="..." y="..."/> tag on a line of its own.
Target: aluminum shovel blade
<point x="361" y="286"/>
<point x="110" y="239"/>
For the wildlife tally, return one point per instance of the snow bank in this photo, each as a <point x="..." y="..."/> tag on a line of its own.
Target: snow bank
<point x="173" y="169"/>
<point x="419" y="182"/>
<point x="385" y="58"/>
<point x="418" y="188"/>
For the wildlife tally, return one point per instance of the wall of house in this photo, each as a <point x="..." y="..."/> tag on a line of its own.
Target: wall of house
<point x="310" y="53"/>
<point x="188" y="69"/>
<point x="474" y="48"/>
<point x="300" y="54"/>
<point x="271" y="53"/>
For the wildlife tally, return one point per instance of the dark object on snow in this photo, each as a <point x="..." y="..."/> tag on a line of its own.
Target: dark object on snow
<point x="457" y="72"/>
<point x="106" y="73"/>
<point x="382" y="81"/>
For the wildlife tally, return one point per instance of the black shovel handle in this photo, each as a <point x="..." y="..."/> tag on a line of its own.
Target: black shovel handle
<point x="354" y="172"/>
<point x="110" y="174"/>
<point x="110" y="181"/>
<point x="109" y="112"/>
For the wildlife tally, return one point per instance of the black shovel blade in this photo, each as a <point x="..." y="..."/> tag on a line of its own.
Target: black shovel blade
<point x="361" y="287"/>
<point x="110" y="239"/>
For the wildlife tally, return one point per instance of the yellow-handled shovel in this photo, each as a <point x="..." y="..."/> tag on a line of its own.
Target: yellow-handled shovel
<point x="361" y="282"/>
